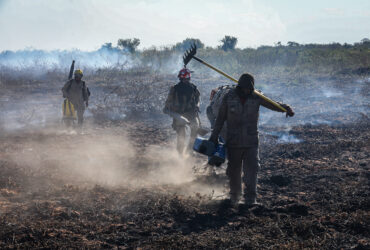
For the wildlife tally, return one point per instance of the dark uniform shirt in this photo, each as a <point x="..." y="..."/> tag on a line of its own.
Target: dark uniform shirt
<point x="241" y="117"/>
<point x="183" y="99"/>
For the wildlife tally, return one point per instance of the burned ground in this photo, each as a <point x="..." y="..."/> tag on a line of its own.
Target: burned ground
<point x="121" y="192"/>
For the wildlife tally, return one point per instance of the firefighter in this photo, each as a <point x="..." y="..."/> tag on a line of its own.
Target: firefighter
<point x="182" y="105"/>
<point x="240" y="110"/>
<point x="77" y="93"/>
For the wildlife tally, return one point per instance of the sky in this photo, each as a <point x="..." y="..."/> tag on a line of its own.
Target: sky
<point x="87" y="24"/>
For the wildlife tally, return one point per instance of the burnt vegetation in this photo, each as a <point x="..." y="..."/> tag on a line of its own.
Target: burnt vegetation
<point x="313" y="183"/>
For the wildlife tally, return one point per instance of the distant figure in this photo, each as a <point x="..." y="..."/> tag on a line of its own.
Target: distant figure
<point x="77" y="93"/>
<point x="240" y="109"/>
<point x="182" y="105"/>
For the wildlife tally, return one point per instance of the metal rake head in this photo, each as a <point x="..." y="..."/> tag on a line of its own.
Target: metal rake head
<point x="188" y="55"/>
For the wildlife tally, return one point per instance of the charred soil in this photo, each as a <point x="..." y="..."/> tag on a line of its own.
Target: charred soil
<point x="118" y="184"/>
<point x="313" y="194"/>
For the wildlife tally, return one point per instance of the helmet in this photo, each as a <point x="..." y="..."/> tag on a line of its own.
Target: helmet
<point x="78" y="72"/>
<point x="184" y="74"/>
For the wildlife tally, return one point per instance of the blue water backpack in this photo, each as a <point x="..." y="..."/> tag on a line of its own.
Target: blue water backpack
<point x="216" y="154"/>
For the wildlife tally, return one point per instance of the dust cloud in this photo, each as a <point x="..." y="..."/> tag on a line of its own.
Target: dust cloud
<point x="94" y="156"/>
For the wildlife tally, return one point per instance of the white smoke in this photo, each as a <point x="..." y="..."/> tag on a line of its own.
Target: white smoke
<point x="56" y="59"/>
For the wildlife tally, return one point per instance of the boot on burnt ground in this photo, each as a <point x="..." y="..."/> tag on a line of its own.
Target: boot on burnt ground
<point x="250" y="200"/>
<point x="234" y="199"/>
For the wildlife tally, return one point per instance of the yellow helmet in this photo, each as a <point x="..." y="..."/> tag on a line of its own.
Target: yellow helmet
<point x="78" y="72"/>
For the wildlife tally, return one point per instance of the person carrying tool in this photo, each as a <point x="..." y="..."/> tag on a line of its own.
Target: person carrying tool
<point x="182" y="105"/>
<point x="240" y="110"/>
<point x="77" y="93"/>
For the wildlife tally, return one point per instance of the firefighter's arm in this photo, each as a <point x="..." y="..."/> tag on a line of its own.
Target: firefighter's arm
<point x="64" y="89"/>
<point x="221" y="118"/>
<point x="197" y="99"/>
<point x="85" y="94"/>
<point x="268" y="105"/>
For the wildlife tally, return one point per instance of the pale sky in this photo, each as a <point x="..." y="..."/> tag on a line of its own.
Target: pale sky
<point x="87" y="24"/>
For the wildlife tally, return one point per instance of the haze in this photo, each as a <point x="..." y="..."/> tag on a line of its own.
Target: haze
<point x="86" y="25"/>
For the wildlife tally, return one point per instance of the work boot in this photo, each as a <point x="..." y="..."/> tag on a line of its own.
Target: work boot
<point x="250" y="200"/>
<point x="234" y="199"/>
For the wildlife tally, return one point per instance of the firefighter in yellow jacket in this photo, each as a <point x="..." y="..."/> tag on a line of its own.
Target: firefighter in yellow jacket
<point x="77" y="93"/>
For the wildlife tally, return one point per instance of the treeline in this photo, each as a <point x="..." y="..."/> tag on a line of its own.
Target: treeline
<point x="293" y="57"/>
<point x="290" y="58"/>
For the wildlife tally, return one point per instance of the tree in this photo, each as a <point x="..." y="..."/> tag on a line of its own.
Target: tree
<point x="128" y="44"/>
<point x="107" y="46"/>
<point x="228" y="43"/>
<point x="292" y="44"/>
<point x="365" y="40"/>
<point x="186" y="44"/>
<point x="278" y="44"/>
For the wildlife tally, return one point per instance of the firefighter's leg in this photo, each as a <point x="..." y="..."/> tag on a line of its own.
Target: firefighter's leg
<point x="194" y="126"/>
<point x="250" y="170"/>
<point x="180" y="130"/>
<point x="67" y="122"/>
<point x="233" y="171"/>
<point x="67" y="113"/>
<point x="80" y="115"/>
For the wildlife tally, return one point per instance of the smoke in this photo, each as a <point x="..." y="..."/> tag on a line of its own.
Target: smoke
<point x="30" y="113"/>
<point x="35" y="63"/>
<point x="331" y="102"/>
<point x="19" y="112"/>
<point x="331" y="92"/>
<point x="31" y="102"/>
<point x="285" y="137"/>
<point x="318" y="102"/>
<point x="56" y="59"/>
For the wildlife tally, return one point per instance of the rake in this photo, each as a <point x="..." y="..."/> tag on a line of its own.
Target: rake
<point x="190" y="54"/>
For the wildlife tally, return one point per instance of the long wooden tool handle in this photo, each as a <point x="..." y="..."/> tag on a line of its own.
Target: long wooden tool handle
<point x="70" y="76"/>
<point x="233" y="79"/>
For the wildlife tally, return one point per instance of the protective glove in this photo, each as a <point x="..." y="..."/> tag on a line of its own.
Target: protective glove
<point x="289" y="110"/>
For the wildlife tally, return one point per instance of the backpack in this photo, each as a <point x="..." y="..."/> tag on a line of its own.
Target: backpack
<point x="185" y="96"/>
<point x="218" y="97"/>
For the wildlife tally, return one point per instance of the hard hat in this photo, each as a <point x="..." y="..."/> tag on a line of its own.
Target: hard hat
<point x="78" y="72"/>
<point x="184" y="74"/>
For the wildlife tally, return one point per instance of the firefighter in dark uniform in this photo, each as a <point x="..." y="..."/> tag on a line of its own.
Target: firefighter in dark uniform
<point x="183" y="105"/>
<point x="240" y="109"/>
